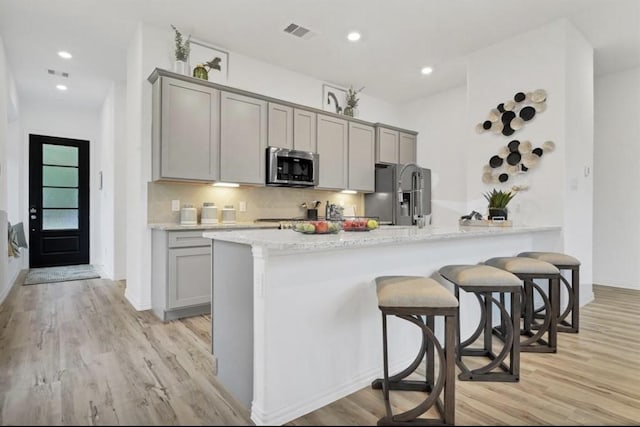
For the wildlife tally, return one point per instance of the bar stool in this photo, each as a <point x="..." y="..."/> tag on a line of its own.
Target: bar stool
<point x="483" y="281"/>
<point x="564" y="262"/>
<point x="410" y="298"/>
<point x="528" y="270"/>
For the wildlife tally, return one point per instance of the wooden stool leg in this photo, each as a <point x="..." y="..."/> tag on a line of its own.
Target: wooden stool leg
<point x="450" y="385"/>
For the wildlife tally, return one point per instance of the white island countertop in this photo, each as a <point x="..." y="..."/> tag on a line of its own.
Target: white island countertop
<point x="287" y="240"/>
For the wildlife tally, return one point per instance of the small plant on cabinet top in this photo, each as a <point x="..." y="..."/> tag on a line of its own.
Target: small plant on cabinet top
<point x="352" y="100"/>
<point x="498" y="198"/>
<point x="182" y="47"/>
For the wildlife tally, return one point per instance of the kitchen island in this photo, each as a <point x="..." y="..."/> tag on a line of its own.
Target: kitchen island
<point x="295" y="319"/>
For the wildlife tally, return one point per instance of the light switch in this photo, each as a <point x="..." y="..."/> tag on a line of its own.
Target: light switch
<point x="175" y="205"/>
<point x="242" y="206"/>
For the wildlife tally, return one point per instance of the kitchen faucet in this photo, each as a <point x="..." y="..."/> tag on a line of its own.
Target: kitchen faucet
<point x="418" y="215"/>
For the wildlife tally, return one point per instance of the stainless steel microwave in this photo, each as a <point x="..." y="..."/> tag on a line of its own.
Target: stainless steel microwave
<point x="291" y="168"/>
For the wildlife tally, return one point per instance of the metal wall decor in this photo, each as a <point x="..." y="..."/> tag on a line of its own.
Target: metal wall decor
<point x="517" y="157"/>
<point x="511" y="115"/>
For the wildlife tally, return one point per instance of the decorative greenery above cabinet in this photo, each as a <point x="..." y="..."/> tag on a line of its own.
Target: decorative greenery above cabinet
<point x="206" y="132"/>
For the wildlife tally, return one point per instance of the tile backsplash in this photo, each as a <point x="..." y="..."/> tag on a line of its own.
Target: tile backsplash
<point x="261" y="202"/>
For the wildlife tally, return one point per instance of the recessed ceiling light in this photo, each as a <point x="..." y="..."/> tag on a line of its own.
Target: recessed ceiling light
<point x="61" y="87"/>
<point x="64" y="54"/>
<point x="426" y="70"/>
<point x="353" y="36"/>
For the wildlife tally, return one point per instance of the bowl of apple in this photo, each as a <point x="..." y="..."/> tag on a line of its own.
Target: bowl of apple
<point x="360" y="224"/>
<point x="317" y="227"/>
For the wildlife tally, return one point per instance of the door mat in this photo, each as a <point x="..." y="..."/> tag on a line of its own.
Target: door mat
<point x="60" y="274"/>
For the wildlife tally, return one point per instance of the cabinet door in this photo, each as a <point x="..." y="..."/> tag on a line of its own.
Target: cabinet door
<point x="387" y="146"/>
<point x="189" y="137"/>
<point x="332" y="148"/>
<point x="304" y="130"/>
<point x="408" y="148"/>
<point x="280" y="126"/>
<point x="243" y="139"/>
<point x="361" y="157"/>
<point x="189" y="281"/>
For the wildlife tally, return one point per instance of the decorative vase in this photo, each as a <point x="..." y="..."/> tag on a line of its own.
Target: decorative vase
<point x="348" y="111"/>
<point x="181" y="67"/>
<point x="498" y="213"/>
<point x="201" y="72"/>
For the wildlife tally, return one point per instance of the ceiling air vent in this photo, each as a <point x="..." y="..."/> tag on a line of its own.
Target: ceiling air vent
<point x="58" y="73"/>
<point x="298" y="31"/>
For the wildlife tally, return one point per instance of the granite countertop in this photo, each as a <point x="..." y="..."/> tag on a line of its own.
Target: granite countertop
<point x="172" y="226"/>
<point x="291" y="240"/>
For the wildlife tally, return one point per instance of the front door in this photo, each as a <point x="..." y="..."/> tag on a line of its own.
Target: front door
<point x="58" y="201"/>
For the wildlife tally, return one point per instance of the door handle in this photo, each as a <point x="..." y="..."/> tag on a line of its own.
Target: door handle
<point x="32" y="210"/>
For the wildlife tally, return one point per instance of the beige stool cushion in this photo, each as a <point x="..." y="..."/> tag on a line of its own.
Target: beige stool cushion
<point x="555" y="258"/>
<point x="478" y="275"/>
<point x="413" y="291"/>
<point x="522" y="265"/>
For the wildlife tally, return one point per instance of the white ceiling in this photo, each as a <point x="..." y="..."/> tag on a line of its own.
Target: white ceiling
<point x="398" y="38"/>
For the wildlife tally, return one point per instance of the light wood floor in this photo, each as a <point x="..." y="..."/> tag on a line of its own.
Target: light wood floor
<point x="76" y="353"/>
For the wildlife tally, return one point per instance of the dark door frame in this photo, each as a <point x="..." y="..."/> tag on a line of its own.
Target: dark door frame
<point x="37" y="255"/>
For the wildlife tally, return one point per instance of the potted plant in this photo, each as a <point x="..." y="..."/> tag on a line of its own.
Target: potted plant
<point x="181" y="52"/>
<point x="352" y="101"/>
<point x="498" y="201"/>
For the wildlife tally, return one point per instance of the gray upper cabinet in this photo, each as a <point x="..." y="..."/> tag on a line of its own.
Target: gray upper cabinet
<point x="361" y="157"/>
<point x="387" y="145"/>
<point x="408" y="148"/>
<point x="304" y="130"/>
<point x="243" y="139"/>
<point x="186" y="131"/>
<point x="332" y="143"/>
<point x="280" y="126"/>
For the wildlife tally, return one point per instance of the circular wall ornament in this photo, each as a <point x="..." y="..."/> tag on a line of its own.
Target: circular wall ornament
<point x="503" y="177"/>
<point x="539" y="106"/>
<point x="514" y="158"/>
<point x="495" y="162"/>
<point x="539" y="95"/>
<point x="494" y="115"/>
<point x="519" y="97"/>
<point x="509" y="105"/>
<point x="527" y="113"/>
<point x="548" y="146"/>
<point x="513" y="146"/>
<point x="503" y="152"/>
<point x="517" y="123"/>
<point x="530" y="160"/>
<point x="487" y="178"/>
<point x="507" y="130"/>
<point x="525" y="147"/>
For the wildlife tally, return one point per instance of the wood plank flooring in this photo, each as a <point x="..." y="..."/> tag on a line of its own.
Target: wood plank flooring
<point x="76" y="353"/>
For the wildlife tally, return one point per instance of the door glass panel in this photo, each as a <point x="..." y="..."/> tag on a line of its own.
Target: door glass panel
<point x="59" y="219"/>
<point x="61" y="155"/>
<point x="59" y="197"/>
<point x="54" y="176"/>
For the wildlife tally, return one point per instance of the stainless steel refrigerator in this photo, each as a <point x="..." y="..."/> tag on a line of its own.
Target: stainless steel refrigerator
<point x="396" y="199"/>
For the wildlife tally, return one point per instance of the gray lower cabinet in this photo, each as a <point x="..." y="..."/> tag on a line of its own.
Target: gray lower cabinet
<point x="243" y="138"/>
<point x="185" y="131"/>
<point x="332" y="143"/>
<point x="361" y="157"/>
<point x="280" y="126"/>
<point x="181" y="274"/>
<point x="408" y="148"/>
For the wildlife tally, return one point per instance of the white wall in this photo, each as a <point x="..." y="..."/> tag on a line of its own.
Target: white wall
<point x="149" y="48"/>
<point x="555" y="58"/>
<point x="64" y="122"/>
<point x="441" y="148"/>
<point x="616" y="229"/>
<point x="113" y="193"/>
<point x="11" y="193"/>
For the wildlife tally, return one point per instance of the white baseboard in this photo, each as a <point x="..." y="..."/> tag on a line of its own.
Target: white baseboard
<point x="137" y="305"/>
<point x="289" y="413"/>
